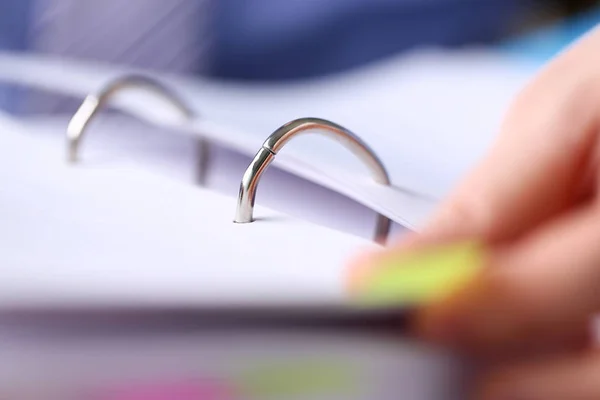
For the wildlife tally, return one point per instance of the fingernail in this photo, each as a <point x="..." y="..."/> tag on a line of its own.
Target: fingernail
<point x="418" y="277"/>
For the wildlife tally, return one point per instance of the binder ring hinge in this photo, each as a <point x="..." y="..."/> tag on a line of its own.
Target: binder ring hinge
<point x="279" y="138"/>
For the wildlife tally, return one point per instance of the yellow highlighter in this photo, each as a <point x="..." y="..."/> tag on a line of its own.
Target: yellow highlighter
<point x="418" y="277"/>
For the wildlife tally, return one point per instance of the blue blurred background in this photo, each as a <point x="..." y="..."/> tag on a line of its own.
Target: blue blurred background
<point x="275" y="39"/>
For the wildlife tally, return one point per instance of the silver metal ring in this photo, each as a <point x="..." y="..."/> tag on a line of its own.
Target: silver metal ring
<point x="94" y="102"/>
<point x="279" y="138"/>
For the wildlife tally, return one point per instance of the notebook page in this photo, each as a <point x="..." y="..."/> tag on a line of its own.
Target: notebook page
<point x="124" y="238"/>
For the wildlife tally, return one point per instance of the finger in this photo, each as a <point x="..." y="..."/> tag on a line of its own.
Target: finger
<point x="574" y="378"/>
<point x="536" y="294"/>
<point x="534" y="169"/>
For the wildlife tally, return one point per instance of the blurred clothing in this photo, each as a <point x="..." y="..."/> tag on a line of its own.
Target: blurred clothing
<point x="274" y="39"/>
<point x="155" y="34"/>
<point x="151" y="34"/>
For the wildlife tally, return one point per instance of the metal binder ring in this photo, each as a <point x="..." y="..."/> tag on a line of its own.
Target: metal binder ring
<point x="279" y="138"/>
<point x="95" y="101"/>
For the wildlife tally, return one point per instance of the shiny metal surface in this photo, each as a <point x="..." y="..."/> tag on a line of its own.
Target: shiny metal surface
<point x="94" y="102"/>
<point x="279" y="138"/>
<point x="247" y="195"/>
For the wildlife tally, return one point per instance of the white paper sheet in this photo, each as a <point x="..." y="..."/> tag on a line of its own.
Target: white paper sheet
<point x="115" y="141"/>
<point x="96" y="236"/>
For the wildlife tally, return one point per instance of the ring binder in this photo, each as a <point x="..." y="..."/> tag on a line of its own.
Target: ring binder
<point x="278" y="139"/>
<point x="93" y="102"/>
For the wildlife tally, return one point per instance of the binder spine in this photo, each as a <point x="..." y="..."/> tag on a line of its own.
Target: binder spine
<point x="278" y="139"/>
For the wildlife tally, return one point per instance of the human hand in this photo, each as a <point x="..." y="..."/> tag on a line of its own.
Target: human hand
<point x="532" y="202"/>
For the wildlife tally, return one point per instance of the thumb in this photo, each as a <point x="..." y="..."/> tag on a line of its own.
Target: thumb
<point x="534" y="170"/>
<point x="538" y="293"/>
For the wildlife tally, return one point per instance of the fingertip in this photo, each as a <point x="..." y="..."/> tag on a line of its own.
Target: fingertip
<point x="366" y="262"/>
<point x="446" y="321"/>
<point x="482" y="319"/>
<point x="359" y="268"/>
